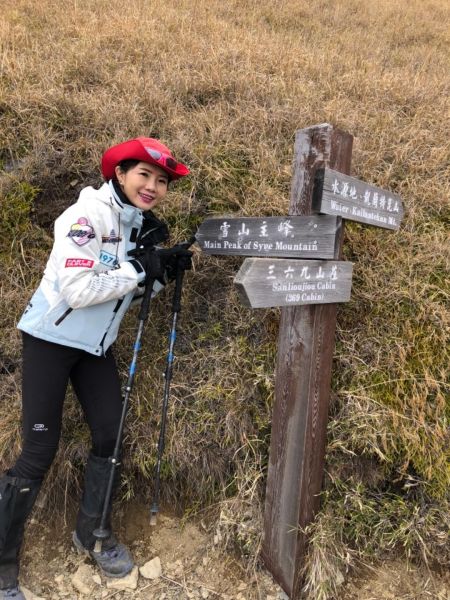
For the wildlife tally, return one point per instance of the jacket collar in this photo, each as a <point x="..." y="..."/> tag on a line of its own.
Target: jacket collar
<point x="118" y="195"/>
<point x="128" y="213"/>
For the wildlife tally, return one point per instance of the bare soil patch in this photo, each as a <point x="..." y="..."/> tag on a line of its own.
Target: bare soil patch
<point x="194" y="566"/>
<point x="397" y="581"/>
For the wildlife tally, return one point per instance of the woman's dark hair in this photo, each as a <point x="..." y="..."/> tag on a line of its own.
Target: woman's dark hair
<point x="127" y="164"/>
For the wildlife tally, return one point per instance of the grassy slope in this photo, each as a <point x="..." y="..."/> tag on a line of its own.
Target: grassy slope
<point x="226" y="84"/>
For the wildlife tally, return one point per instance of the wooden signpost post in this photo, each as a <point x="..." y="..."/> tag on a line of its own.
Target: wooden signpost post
<point x="308" y="291"/>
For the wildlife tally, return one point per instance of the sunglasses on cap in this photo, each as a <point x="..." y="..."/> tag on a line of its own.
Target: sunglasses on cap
<point x="161" y="158"/>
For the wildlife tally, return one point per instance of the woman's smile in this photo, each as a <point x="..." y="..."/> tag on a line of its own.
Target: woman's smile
<point x="144" y="185"/>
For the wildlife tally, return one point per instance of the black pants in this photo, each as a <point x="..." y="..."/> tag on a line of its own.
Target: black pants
<point x="47" y="369"/>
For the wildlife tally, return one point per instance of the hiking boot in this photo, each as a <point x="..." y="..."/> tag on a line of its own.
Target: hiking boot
<point x="114" y="558"/>
<point x="14" y="593"/>
<point x="115" y="561"/>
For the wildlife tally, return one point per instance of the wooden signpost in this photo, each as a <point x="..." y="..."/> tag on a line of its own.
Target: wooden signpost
<point x="350" y="198"/>
<point x="300" y="237"/>
<point x="265" y="282"/>
<point x="308" y="290"/>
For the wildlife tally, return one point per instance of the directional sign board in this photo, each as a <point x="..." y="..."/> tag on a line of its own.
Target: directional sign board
<point x="302" y="237"/>
<point x="265" y="282"/>
<point x="350" y="198"/>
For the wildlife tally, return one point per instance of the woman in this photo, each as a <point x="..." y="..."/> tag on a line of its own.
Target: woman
<point x="68" y="328"/>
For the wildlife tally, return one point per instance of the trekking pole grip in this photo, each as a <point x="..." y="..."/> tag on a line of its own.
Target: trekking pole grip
<point x="145" y="306"/>
<point x="176" y="301"/>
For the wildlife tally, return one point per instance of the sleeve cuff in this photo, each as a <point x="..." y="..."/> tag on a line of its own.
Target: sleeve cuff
<point x="138" y="268"/>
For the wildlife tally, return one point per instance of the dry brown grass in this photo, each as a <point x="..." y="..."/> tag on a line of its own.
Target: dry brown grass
<point x="226" y="84"/>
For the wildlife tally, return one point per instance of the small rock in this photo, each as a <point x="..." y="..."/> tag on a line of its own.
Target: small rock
<point x="97" y="579"/>
<point x="204" y="593"/>
<point x="175" y="569"/>
<point x="29" y="595"/>
<point x="82" y="579"/>
<point x="129" y="582"/>
<point x="152" y="569"/>
<point x="339" y="578"/>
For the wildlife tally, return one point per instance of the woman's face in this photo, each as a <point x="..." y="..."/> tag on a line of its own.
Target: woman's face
<point x="145" y="185"/>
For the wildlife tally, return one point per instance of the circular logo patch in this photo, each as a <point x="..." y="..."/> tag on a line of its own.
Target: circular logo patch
<point x="81" y="232"/>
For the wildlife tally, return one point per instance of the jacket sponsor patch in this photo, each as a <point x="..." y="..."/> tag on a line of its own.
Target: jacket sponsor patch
<point x="79" y="262"/>
<point x="81" y="232"/>
<point x="112" y="238"/>
<point x="108" y="259"/>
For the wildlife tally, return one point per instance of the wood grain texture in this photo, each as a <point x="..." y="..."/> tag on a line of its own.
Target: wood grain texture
<point x="302" y="237"/>
<point x="302" y="389"/>
<point x="355" y="200"/>
<point x="266" y="282"/>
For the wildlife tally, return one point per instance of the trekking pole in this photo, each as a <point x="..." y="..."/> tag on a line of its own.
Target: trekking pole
<point x="176" y="309"/>
<point x="102" y="533"/>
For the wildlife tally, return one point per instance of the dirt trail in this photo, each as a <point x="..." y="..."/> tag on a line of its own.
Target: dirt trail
<point x="193" y="567"/>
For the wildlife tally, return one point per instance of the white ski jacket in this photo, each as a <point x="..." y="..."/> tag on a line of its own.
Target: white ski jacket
<point x="88" y="283"/>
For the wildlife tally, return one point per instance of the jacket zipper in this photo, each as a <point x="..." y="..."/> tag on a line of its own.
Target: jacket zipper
<point x="116" y="308"/>
<point x="118" y="305"/>
<point x="63" y="316"/>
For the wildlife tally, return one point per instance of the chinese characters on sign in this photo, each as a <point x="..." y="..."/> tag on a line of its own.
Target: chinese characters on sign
<point x="302" y="237"/>
<point x="350" y="198"/>
<point x="263" y="283"/>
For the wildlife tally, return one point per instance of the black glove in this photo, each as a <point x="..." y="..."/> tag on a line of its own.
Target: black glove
<point x="152" y="263"/>
<point x="162" y="263"/>
<point x="182" y="260"/>
<point x="153" y="231"/>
